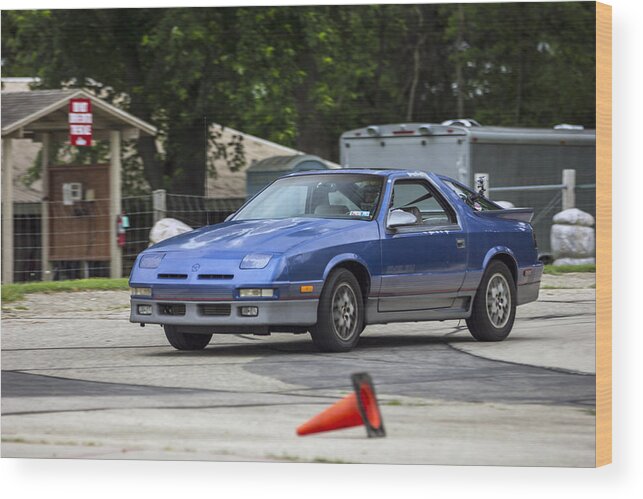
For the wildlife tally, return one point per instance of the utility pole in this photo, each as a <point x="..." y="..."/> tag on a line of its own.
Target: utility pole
<point x="458" y="64"/>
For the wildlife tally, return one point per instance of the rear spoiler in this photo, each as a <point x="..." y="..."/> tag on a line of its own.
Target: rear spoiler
<point x="519" y="214"/>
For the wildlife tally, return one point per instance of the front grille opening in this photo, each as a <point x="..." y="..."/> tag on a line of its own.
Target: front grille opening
<point x="172" y="308"/>
<point x="172" y="276"/>
<point x="216" y="276"/>
<point x="215" y="309"/>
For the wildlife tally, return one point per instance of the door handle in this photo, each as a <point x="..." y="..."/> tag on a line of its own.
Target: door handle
<point x="459" y="243"/>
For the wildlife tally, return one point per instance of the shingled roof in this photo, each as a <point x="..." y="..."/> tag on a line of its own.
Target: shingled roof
<point x="20" y="109"/>
<point x="17" y="106"/>
<point x="285" y="163"/>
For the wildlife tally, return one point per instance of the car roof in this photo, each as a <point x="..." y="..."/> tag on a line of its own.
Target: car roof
<point x="382" y="172"/>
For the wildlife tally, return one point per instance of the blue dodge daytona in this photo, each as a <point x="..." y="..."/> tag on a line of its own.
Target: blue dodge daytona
<point x="331" y="252"/>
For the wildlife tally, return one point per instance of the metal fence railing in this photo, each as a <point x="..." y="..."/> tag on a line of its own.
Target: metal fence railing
<point x="79" y="247"/>
<point x="547" y="199"/>
<point x="78" y="234"/>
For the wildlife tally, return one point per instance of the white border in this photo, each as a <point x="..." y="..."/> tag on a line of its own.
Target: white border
<point x="110" y="479"/>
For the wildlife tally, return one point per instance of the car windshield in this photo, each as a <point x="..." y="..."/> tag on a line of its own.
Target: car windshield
<point x="476" y="201"/>
<point x="350" y="196"/>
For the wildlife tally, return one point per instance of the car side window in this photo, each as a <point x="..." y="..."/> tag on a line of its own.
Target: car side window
<point x="420" y="199"/>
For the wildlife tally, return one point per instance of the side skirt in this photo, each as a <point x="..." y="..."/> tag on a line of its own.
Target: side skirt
<point x="460" y="309"/>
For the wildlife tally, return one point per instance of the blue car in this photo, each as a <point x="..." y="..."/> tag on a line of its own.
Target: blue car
<point x="331" y="252"/>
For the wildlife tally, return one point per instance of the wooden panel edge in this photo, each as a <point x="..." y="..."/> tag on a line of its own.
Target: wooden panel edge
<point x="603" y="234"/>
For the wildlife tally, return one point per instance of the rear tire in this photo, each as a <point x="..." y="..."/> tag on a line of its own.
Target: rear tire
<point x="186" y="341"/>
<point x="494" y="306"/>
<point x="340" y="315"/>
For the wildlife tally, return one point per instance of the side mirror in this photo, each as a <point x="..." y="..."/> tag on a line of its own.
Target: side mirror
<point x="397" y="218"/>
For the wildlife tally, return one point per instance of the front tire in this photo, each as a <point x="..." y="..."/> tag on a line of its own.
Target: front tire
<point x="186" y="341"/>
<point x="494" y="306"/>
<point x="340" y="315"/>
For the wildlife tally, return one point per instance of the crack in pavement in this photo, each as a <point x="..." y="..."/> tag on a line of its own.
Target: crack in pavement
<point x="434" y="370"/>
<point x="170" y="407"/>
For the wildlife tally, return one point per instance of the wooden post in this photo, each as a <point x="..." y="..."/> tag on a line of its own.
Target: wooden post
<point x="84" y="267"/>
<point x="116" y="262"/>
<point x="46" y="274"/>
<point x="159" y="204"/>
<point x="569" y="191"/>
<point x="7" y="212"/>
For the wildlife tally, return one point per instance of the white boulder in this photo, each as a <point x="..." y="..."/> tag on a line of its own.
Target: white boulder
<point x="574" y="216"/>
<point x="166" y="228"/>
<point x="572" y="241"/>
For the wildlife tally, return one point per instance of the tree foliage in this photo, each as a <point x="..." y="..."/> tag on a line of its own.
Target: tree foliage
<point x="302" y="75"/>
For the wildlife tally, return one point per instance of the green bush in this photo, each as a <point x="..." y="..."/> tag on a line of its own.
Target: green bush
<point x="566" y="269"/>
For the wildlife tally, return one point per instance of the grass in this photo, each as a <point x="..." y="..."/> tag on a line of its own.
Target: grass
<point x="566" y="269"/>
<point x="15" y="292"/>
<point x="298" y="459"/>
<point x="330" y="461"/>
<point x="285" y="457"/>
<point x="20" y="440"/>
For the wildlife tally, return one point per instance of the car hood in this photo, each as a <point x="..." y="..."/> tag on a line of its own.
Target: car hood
<point x="272" y="236"/>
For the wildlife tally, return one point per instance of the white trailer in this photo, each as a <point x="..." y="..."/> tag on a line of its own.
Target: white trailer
<point x="525" y="165"/>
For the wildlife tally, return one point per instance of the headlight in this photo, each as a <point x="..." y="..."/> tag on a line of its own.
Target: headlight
<point x="256" y="293"/>
<point x="140" y="291"/>
<point x="151" y="260"/>
<point x="255" y="261"/>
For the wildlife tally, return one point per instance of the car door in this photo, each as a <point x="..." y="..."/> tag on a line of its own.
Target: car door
<point x="423" y="264"/>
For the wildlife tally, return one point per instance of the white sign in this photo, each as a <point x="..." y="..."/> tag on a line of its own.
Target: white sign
<point x="72" y="191"/>
<point x="80" y="118"/>
<point x="481" y="183"/>
<point x="79" y="107"/>
<point x="80" y="129"/>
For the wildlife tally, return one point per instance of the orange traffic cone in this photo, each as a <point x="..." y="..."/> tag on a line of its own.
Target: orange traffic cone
<point x="359" y="408"/>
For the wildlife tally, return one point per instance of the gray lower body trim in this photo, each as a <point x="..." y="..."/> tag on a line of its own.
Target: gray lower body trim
<point x="460" y="308"/>
<point x="528" y="292"/>
<point x="271" y="313"/>
<point x="529" y="283"/>
<point x="415" y="302"/>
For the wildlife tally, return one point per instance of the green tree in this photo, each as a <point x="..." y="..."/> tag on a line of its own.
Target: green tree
<point x="302" y="75"/>
<point x="526" y="64"/>
<point x="165" y="66"/>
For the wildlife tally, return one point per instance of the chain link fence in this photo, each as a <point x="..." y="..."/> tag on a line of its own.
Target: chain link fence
<point x="79" y="245"/>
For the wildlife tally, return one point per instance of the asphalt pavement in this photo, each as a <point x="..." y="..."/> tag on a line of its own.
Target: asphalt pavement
<point x="80" y="381"/>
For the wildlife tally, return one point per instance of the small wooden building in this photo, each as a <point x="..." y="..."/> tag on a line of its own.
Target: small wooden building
<point x="80" y="203"/>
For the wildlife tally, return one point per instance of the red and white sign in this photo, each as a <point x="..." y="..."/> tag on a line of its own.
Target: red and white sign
<point x="80" y="122"/>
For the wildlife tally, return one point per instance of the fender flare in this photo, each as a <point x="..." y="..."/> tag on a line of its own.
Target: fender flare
<point x="344" y="257"/>
<point x="501" y="250"/>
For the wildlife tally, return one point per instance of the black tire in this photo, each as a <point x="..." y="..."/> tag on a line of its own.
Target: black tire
<point x="186" y="341"/>
<point x="340" y="315"/>
<point x="494" y="306"/>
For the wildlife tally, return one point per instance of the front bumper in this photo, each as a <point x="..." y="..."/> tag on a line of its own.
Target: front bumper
<point x="194" y="313"/>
